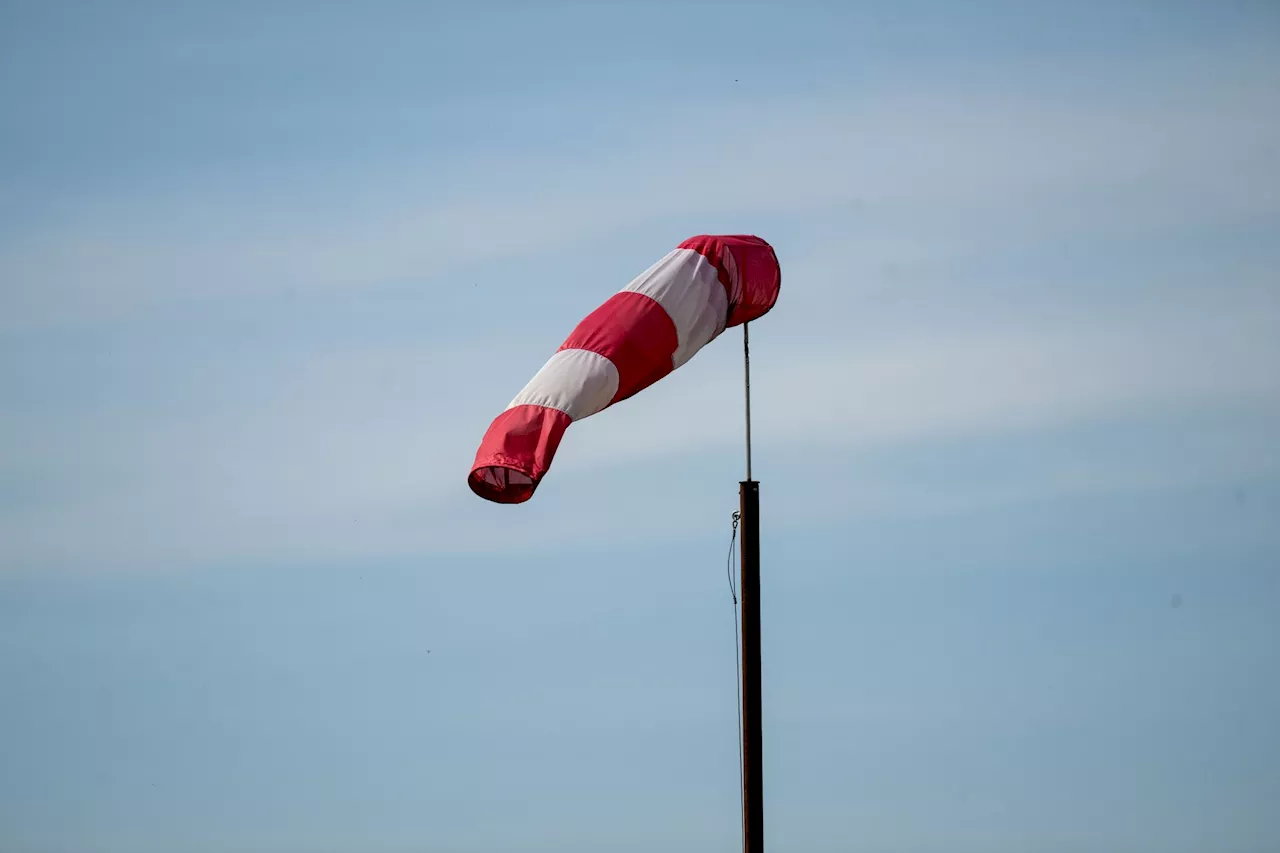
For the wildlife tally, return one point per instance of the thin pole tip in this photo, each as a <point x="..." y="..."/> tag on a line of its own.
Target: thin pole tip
<point x="746" y="376"/>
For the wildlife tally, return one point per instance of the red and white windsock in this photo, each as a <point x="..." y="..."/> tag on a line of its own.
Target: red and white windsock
<point x="639" y="335"/>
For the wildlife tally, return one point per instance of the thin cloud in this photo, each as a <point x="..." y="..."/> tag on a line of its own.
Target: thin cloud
<point x="345" y="446"/>
<point x="364" y="454"/>
<point x="964" y="160"/>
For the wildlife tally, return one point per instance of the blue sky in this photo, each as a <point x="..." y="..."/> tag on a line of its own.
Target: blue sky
<point x="267" y="271"/>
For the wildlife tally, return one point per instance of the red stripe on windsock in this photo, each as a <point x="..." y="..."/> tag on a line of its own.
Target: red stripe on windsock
<point x="633" y="332"/>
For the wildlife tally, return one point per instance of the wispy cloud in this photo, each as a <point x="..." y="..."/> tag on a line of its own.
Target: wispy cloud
<point x="892" y="214"/>
<point x="998" y="162"/>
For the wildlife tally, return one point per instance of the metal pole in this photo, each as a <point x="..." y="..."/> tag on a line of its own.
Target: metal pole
<point x="752" y="789"/>
<point x="749" y="509"/>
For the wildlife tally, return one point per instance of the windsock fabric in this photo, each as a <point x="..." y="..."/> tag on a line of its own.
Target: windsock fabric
<point x="648" y="329"/>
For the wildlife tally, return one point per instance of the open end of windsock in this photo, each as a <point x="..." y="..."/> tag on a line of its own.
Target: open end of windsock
<point x="516" y="452"/>
<point x="502" y="485"/>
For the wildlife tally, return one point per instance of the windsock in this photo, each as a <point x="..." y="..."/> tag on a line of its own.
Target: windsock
<point x="640" y="334"/>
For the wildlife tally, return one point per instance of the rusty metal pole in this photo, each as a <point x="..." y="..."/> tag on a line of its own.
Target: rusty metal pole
<point x="752" y="787"/>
